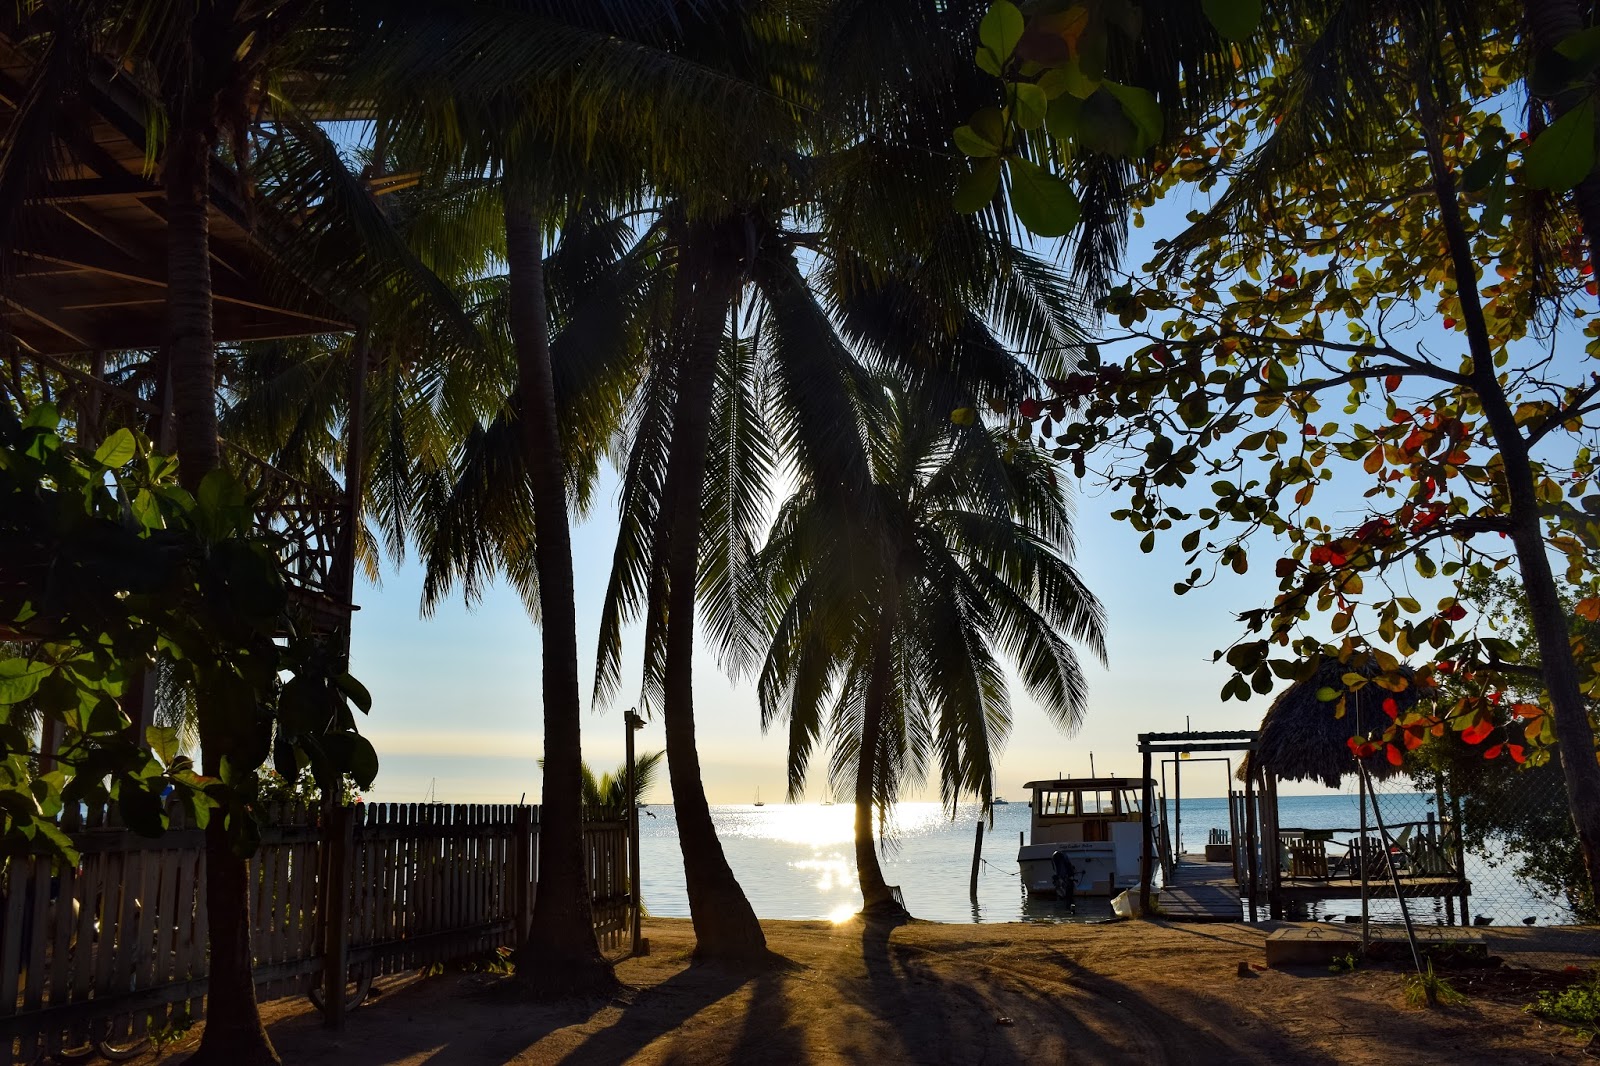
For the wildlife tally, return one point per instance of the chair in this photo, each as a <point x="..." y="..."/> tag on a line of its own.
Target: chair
<point x="1308" y="857"/>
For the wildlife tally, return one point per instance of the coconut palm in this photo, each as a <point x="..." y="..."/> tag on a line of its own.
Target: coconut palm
<point x="549" y="104"/>
<point x="890" y="622"/>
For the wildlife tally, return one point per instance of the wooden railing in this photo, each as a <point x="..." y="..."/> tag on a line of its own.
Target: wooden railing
<point x="116" y="948"/>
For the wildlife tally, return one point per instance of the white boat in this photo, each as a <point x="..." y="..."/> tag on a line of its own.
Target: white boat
<point x="1094" y="824"/>
<point x="999" y="801"/>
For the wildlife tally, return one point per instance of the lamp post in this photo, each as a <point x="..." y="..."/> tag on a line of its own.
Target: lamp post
<point x="633" y="723"/>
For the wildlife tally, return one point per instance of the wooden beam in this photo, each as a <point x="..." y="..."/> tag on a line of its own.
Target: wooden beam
<point x="82" y="343"/>
<point x="94" y="190"/>
<point x="127" y="268"/>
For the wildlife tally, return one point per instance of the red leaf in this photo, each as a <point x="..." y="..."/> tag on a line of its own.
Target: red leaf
<point x="1516" y="752"/>
<point x="1394" y="755"/>
<point x="1493" y="752"/>
<point x="1479" y="733"/>
<point x="1286" y="567"/>
<point x="1454" y="613"/>
<point x="1391" y="382"/>
<point x="1449" y="323"/>
<point x="1285" y="281"/>
<point x="1413" y="739"/>
<point x="1030" y="408"/>
<point x="1390" y="707"/>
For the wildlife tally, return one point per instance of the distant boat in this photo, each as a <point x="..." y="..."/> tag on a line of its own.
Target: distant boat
<point x="1000" y="801"/>
<point x="827" y="801"/>
<point x="758" y="799"/>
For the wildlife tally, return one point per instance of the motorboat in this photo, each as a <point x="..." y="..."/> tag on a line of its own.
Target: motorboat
<point x="999" y="801"/>
<point x="1086" y="836"/>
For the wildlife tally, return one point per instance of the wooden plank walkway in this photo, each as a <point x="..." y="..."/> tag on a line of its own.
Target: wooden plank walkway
<point x="1201" y="891"/>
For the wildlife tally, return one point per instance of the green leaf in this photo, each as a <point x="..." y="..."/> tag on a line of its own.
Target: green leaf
<point x="1061" y="121"/>
<point x="43" y="416"/>
<point x="1001" y="29"/>
<point x="1235" y="20"/>
<point x="1043" y="203"/>
<point x="1477" y="175"/>
<point x="964" y="416"/>
<point x="20" y="679"/>
<point x="163" y="742"/>
<point x="972" y="143"/>
<point x="1327" y="694"/>
<point x="1031" y="103"/>
<point x="363" y="761"/>
<point x="977" y="189"/>
<point x="1142" y="110"/>
<point x="987" y="63"/>
<point x="1583" y="47"/>
<point x="1563" y="154"/>
<point x="117" y="449"/>
<point x="355" y="690"/>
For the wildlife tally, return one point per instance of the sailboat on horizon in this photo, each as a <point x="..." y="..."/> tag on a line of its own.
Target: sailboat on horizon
<point x="758" y="798"/>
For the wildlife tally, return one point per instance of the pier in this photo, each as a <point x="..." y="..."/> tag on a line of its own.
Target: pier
<point x="1201" y="891"/>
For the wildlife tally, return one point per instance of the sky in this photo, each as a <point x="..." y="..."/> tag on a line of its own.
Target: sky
<point x="456" y="707"/>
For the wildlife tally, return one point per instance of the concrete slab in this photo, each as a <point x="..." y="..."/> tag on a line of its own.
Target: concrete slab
<point x="1318" y="944"/>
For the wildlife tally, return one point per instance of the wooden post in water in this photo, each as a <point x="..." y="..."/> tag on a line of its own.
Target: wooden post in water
<point x="977" y="857"/>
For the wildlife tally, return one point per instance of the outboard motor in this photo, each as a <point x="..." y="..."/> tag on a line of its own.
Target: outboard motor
<point x="1065" y="877"/>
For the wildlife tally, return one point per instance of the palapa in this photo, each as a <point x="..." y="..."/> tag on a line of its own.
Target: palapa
<point x="1302" y="738"/>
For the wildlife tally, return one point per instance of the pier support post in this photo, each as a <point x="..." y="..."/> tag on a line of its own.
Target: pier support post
<point x="1145" y="856"/>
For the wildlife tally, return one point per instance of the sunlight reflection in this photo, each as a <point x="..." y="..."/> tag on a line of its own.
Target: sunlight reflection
<point x="841" y="914"/>
<point x="835" y="872"/>
<point x="820" y="826"/>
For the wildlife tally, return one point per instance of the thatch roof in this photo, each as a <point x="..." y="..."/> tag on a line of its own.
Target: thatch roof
<point x="1301" y="739"/>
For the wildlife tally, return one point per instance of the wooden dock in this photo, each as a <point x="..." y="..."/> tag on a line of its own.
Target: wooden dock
<point x="1201" y="891"/>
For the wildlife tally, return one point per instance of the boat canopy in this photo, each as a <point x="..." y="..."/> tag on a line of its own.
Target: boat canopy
<point x="1065" y="783"/>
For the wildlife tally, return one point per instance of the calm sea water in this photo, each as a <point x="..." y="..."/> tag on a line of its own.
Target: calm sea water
<point x="798" y="861"/>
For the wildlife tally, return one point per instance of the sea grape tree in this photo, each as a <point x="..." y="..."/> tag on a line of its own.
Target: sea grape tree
<point x="106" y="563"/>
<point x="1378" y="350"/>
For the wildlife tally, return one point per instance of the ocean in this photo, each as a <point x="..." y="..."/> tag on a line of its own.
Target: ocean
<point x="798" y="861"/>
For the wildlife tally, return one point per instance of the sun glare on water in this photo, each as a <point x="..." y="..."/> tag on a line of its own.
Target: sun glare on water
<point x="841" y="914"/>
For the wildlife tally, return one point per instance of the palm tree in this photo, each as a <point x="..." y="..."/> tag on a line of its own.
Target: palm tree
<point x="549" y="104"/>
<point x="889" y="622"/>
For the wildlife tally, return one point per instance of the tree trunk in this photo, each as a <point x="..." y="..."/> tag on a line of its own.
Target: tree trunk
<point x="1569" y="711"/>
<point x="233" y="1034"/>
<point x="559" y="956"/>
<point x="1549" y="23"/>
<point x="190" y="357"/>
<point x="725" y="924"/>
<point x="877" y="898"/>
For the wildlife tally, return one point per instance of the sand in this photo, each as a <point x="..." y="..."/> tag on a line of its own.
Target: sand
<point x="1134" y="992"/>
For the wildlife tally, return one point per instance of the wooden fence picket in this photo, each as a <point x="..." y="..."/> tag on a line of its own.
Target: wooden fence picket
<point x="117" y="944"/>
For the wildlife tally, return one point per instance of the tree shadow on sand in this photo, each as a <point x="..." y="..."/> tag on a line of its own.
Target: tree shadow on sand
<point x="663" y="1008"/>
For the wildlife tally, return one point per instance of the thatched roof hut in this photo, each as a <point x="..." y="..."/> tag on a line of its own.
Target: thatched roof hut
<point x="1301" y="739"/>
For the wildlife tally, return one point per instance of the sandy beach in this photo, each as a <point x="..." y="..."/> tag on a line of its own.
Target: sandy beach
<point x="1134" y="992"/>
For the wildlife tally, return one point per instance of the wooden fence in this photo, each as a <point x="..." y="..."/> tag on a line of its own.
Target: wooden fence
<point x="116" y="948"/>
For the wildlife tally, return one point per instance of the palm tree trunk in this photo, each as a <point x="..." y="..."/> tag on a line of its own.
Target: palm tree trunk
<point x="190" y="356"/>
<point x="1549" y="23"/>
<point x="233" y="1032"/>
<point x="1569" y="709"/>
<point x="877" y="899"/>
<point x="559" y="956"/>
<point x="725" y="924"/>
